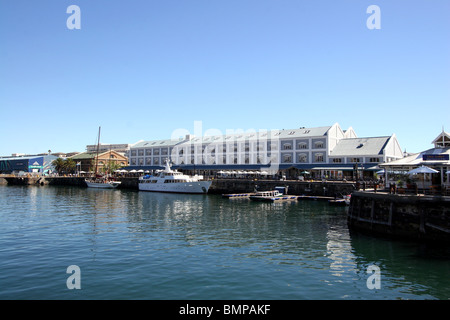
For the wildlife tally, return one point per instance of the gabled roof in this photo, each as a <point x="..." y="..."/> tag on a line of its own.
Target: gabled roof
<point x="92" y="155"/>
<point x="360" y="146"/>
<point x="442" y="140"/>
<point x="418" y="158"/>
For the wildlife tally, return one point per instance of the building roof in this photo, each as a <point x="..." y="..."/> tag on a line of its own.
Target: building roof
<point x="157" y="143"/>
<point x="92" y="155"/>
<point x="442" y="140"/>
<point x="304" y="132"/>
<point x="360" y="146"/>
<point x="417" y="159"/>
<point x="28" y="157"/>
<point x="84" y="155"/>
<point x="240" y="136"/>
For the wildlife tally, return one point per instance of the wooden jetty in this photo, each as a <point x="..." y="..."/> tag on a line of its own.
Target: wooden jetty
<point x="315" y="198"/>
<point x="283" y="197"/>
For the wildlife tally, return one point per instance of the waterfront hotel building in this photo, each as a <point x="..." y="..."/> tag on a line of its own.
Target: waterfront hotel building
<point x="320" y="152"/>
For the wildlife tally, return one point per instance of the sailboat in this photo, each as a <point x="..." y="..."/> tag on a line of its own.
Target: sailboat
<point x="98" y="181"/>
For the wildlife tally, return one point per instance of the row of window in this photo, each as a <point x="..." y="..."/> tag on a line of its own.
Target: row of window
<point x="356" y="160"/>
<point x="286" y="158"/>
<point x="246" y="147"/>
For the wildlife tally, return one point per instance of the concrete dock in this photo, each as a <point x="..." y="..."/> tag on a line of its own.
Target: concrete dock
<point x="418" y="217"/>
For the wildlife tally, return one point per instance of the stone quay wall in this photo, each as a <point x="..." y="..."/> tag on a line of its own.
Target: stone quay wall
<point x="403" y="216"/>
<point x="219" y="186"/>
<point x="295" y="187"/>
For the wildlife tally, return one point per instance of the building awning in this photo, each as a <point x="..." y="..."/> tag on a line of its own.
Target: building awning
<point x="370" y="167"/>
<point x="333" y="168"/>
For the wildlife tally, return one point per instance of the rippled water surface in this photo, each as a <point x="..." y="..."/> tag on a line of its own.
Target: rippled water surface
<point x="137" y="245"/>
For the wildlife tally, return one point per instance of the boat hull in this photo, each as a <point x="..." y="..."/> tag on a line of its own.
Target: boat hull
<point x="273" y="199"/>
<point x="197" y="187"/>
<point x="100" y="185"/>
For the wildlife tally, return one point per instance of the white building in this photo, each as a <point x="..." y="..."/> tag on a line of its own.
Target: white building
<point x="437" y="158"/>
<point x="322" y="151"/>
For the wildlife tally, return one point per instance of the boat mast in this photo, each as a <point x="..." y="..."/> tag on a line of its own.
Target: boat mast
<point x="98" y="147"/>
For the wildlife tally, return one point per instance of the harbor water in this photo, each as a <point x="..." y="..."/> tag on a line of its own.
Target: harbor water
<point x="140" y="245"/>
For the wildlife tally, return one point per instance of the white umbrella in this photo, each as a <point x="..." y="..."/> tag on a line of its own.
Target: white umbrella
<point x="422" y="169"/>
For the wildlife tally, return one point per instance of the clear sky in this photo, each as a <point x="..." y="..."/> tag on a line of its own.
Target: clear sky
<point x="142" y="69"/>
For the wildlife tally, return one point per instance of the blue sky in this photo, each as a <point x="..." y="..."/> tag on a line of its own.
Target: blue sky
<point x="143" y="69"/>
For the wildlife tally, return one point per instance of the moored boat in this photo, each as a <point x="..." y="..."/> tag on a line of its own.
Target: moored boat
<point x="98" y="181"/>
<point x="344" y="201"/>
<point x="274" y="195"/>
<point x="102" y="184"/>
<point x="169" y="180"/>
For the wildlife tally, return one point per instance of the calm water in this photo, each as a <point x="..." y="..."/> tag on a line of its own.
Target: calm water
<point x="137" y="245"/>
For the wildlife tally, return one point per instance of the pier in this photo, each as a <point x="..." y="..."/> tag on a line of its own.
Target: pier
<point x="418" y="217"/>
<point x="328" y="189"/>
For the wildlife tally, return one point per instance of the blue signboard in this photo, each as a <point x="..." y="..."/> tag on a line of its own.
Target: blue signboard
<point x="35" y="163"/>
<point x="435" y="157"/>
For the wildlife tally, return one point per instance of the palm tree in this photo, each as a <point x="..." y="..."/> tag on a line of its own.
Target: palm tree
<point x="64" y="166"/>
<point x="58" y="163"/>
<point x="111" y="166"/>
<point x="70" y="165"/>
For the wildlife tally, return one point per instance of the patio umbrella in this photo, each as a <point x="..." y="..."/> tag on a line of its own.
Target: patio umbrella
<point x="422" y="169"/>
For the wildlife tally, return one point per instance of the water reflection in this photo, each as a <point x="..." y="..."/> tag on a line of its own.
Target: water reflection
<point x="340" y="251"/>
<point x="204" y="243"/>
<point x="307" y="235"/>
<point x="409" y="268"/>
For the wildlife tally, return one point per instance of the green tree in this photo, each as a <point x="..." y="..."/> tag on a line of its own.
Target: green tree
<point x="70" y="165"/>
<point x="111" y="166"/>
<point x="64" y="166"/>
<point x="58" y="163"/>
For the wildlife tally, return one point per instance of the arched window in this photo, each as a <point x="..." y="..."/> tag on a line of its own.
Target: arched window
<point x="318" y="157"/>
<point x="287" y="146"/>
<point x="302" y="157"/>
<point x="318" y="144"/>
<point x="287" y="158"/>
